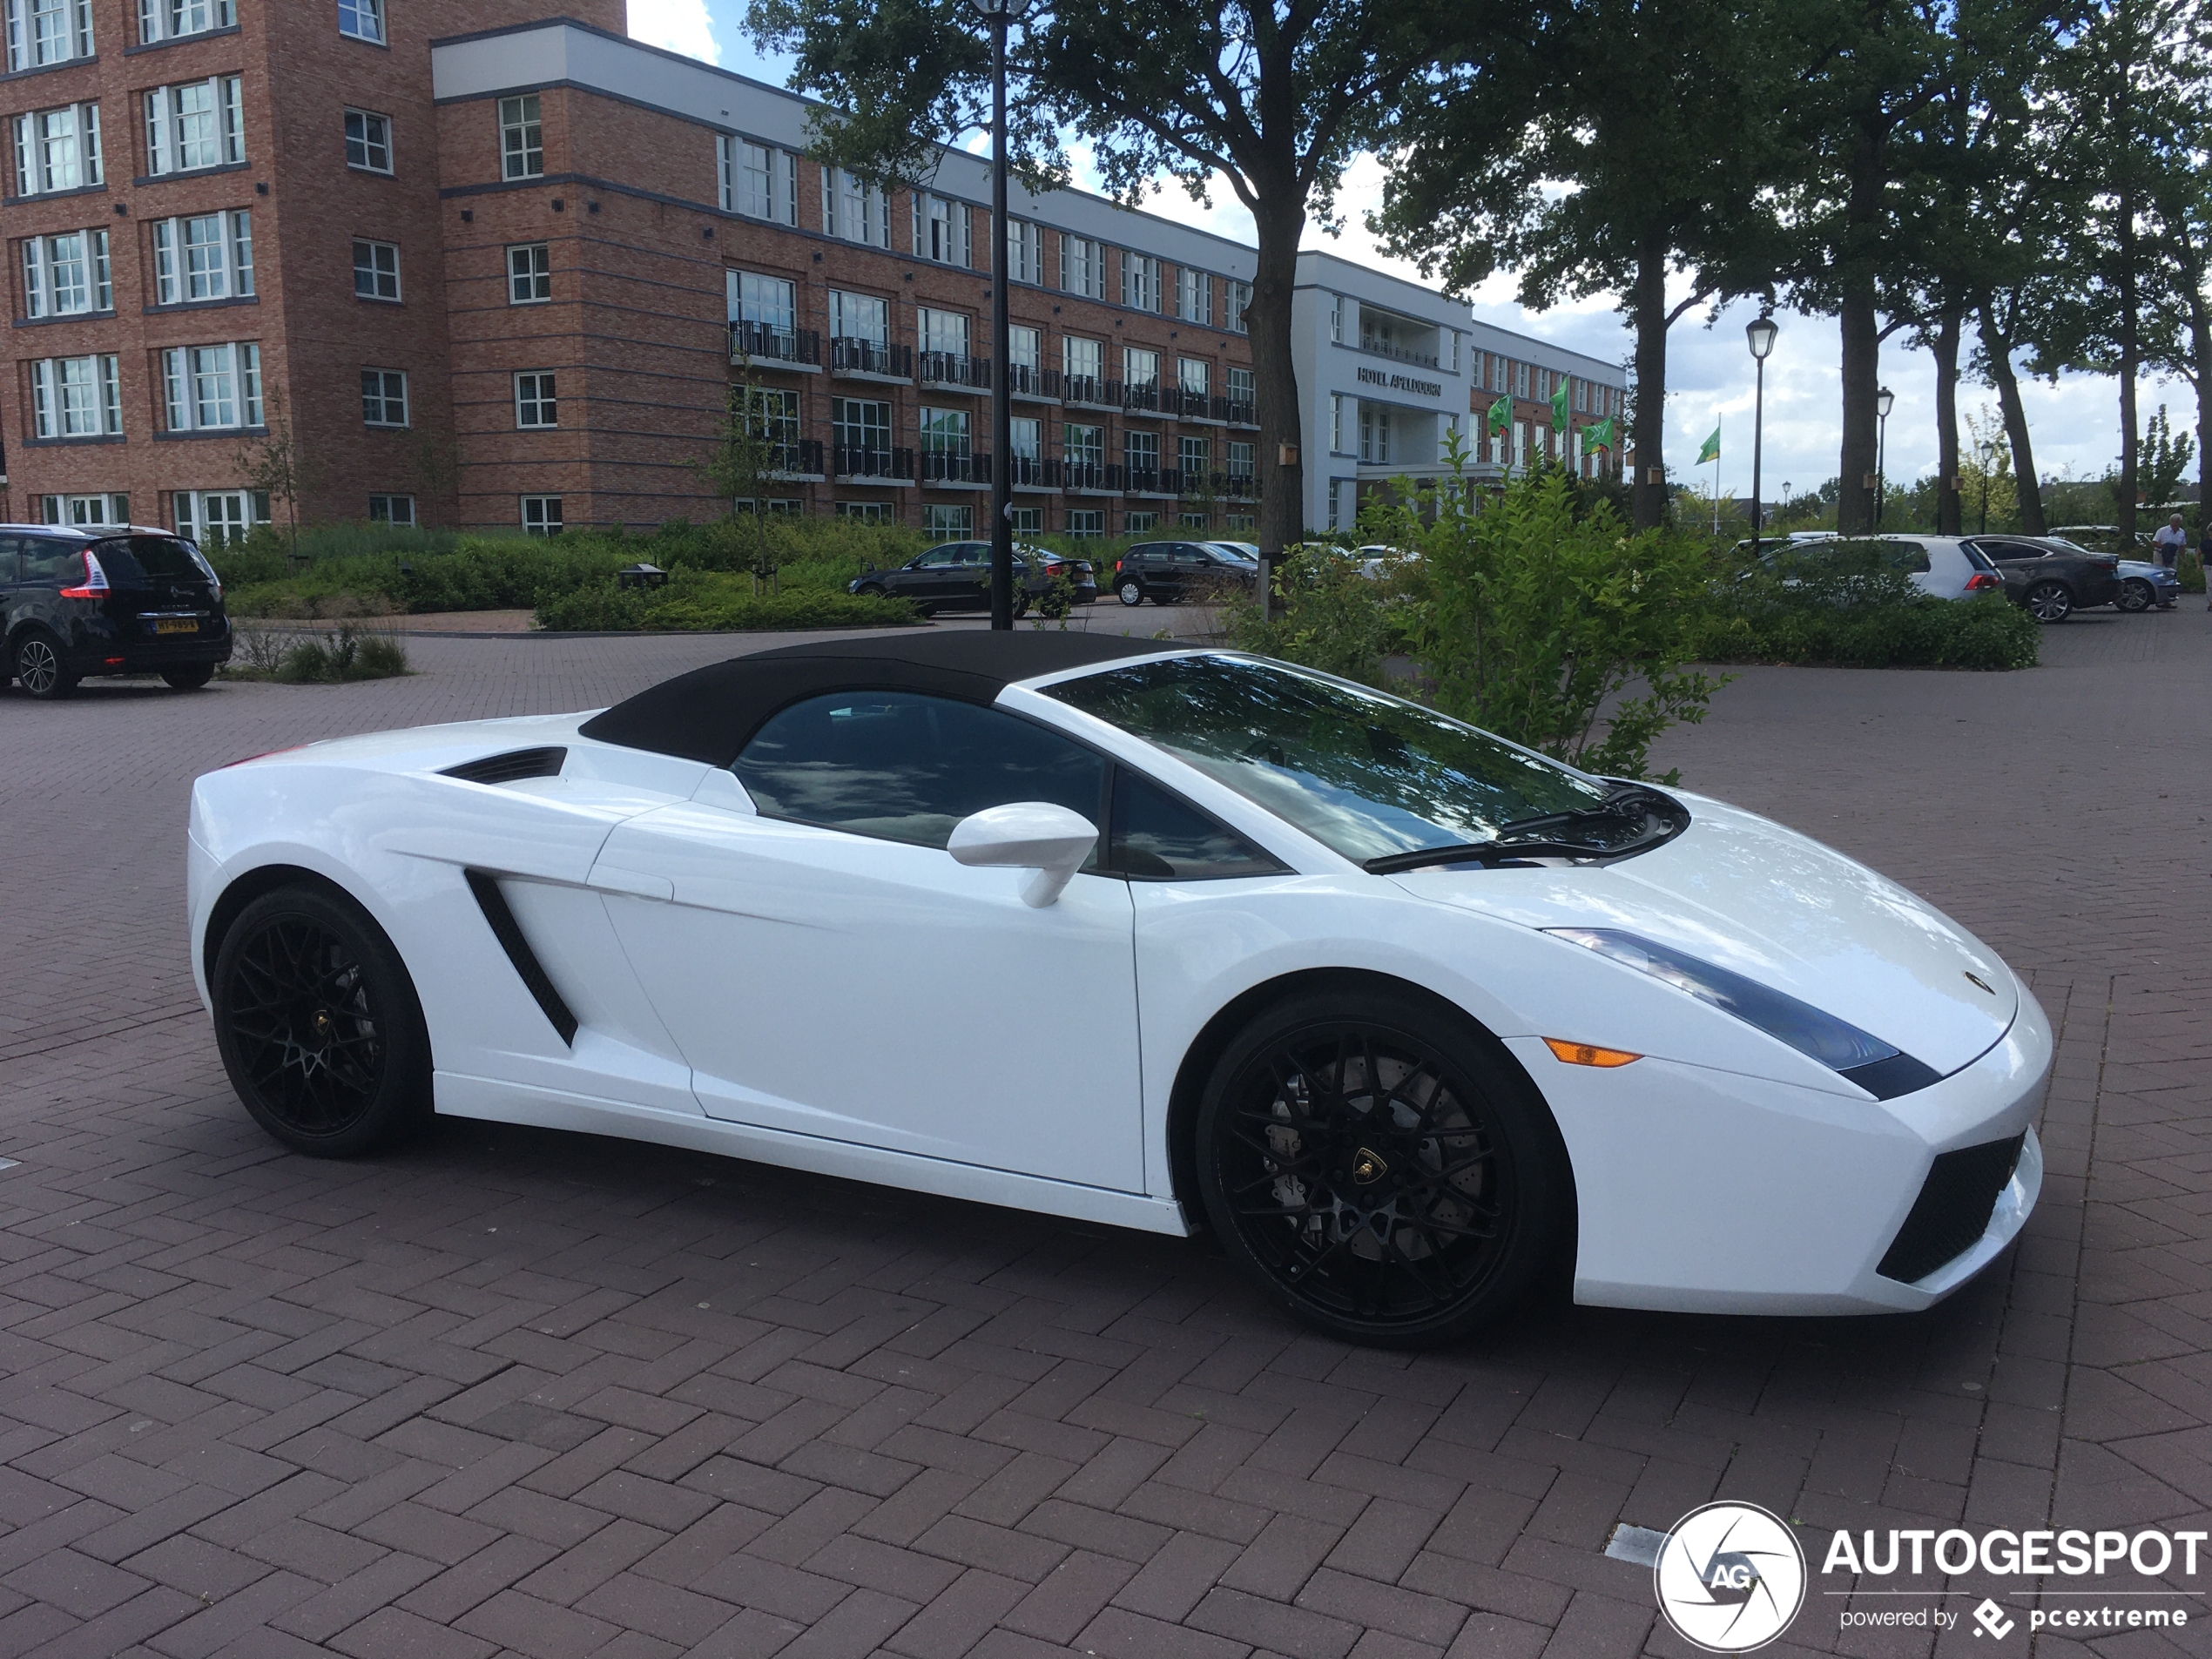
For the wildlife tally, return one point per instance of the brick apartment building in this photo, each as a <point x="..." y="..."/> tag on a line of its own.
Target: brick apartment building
<point x="490" y="269"/>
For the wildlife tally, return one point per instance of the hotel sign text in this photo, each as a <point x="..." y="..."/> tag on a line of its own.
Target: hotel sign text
<point x="1402" y="383"/>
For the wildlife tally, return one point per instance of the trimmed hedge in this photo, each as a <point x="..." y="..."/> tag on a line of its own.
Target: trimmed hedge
<point x="1986" y="632"/>
<point x="707" y="601"/>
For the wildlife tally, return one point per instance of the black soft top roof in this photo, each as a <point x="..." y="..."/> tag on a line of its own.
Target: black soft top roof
<point x="711" y="713"/>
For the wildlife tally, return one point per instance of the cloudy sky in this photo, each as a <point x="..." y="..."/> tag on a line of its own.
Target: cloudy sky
<point x="2075" y="422"/>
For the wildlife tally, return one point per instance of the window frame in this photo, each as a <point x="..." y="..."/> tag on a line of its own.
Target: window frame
<point x="51" y="400"/>
<point x="165" y="121"/>
<point x="34" y="146"/>
<point x="550" y="523"/>
<point x="376" y="273"/>
<point x="522" y="137"/>
<point x="38" y="266"/>
<point x="368" y="148"/>
<point x="370" y="12"/>
<point x="388" y="517"/>
<point x="734" y="158"/>
<point x="172" y="248"/>
<point x="156" y="19"/>
<point x="541" y="255"/>
<point x="22" y="19"/>
<point x="543" y="396"/>
<point x="181" y="377"/>
<point x="380" y="400"/>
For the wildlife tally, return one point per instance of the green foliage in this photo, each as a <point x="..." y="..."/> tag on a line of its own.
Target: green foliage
<point x="1865" y="617"/>
<point x="344" y="653"/>
<point x="714" y="601"/>
<point x="1329" y="617"/>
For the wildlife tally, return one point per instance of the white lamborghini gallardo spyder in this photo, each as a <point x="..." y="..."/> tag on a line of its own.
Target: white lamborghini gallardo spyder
<point x="1152" y="936"/>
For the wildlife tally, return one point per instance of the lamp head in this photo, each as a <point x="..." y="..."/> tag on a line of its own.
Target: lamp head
<point x="993" y="9"/>
<point x="1760" y="334"/>
<point x="1885" y="401"/>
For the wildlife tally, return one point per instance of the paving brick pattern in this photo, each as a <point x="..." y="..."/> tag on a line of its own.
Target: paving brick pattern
<point x="510" y="1392"/>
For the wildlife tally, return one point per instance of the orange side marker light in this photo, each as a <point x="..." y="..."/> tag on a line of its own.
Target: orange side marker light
<point x="1588" y="1054"/>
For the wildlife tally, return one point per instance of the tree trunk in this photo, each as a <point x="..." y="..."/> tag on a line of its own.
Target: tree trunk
<point x="2130" y="361"/>
<point x="1997" y="347"/>
<point x="1648" y="487"/>
<point x="1862" y="338"/>
<point x="1281" y="218"/>
<point x="1946" y="356"/>
<point x="2200" y="356"/>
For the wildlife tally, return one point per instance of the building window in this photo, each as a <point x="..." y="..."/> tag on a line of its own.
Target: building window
<point x="1336" y="320"/>
<point x="1083" y="446"/>
<point x="940" y="229"/>
<point x="369" y="141"/>
<point x="942" y="332"/>
<point x="48" y="32"/>
<point x="67" y="275"/>
<point x="1193" y="375"/>
<point x="1024" y="252"/>
<point x="1336" y="423"/>
<point x="947" y="524"/>
<point x="1239" y="387"/>
<point x="535" y="404"/>
<point x="1140" y="281"/>
<point x="1141" y="453"/>
<point x="392" y="509"/>
<point x="859" y="316"/>
<point x="853" y="209"/>
<point x="1240" y="521"/>
<point x="376" y="270"/>
<point x="1140" y="367"/>
<point x="521" y="153"/>
<point x="212" y="389"/>
<point x="160" y="20"/>
<point x="766" y="310"/>
<point x="944" y="432"/>
<point x="1025" y="438"/>
<point x="775" y="506"/>
<point x="213" y="517"/>
<point x="757" y="180"/>
<point x="1027" y="521"/>
<point x="775" y="421"/>
<point x="865" y="512"/>
<point x="1451" y="351"/>
<point x="383" y="397"/>
<point x="1024" y="348"/>
<point x="1084" y="363"/>
<point x="1194" y="458"/>
<point x="362" y="20"/>
<point x="530" y="273"/>
<point x="75" y="397"/>
<point x="1086" y="524"/>
<point x="85" y="510"/>
<point x="861" y="430"/>
<point x="1375" y="434"/>
<point x="1521" y="380"/>
<point x="1240" y="296"/>
<point x="1141" y="523"/>
<point x="1242" y="470"/>
<point x="207" y="257"/>
<point x="1195" y="522"/>
<point x="57" y="149"/>
<point x="1193" y="295"/>
<point x="199" y="125"/>
<point x="1082" y="266"/>
<point x="541" y="515"/>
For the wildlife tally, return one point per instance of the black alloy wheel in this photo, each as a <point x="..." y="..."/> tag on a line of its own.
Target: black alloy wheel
<point x="872" y="590"/>
<point x="40" y="668"/>
<point x="2050" y="602"/>
<point x="188" y="677"/>
<point x="319" y="1025"/>
<point x="1131" y="594"/>
<point x="1389" y="1178"/>
<point x="2135" y="594"/>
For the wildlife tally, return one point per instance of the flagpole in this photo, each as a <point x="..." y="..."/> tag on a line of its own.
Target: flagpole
<point x="1716" y="479"/>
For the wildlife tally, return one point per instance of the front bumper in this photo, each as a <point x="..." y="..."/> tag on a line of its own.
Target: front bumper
<point x="1703" y="1190"/>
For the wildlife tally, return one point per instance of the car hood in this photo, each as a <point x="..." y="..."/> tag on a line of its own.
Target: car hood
<point x="1746" y="893"/>
<point x="2143" y="567"/>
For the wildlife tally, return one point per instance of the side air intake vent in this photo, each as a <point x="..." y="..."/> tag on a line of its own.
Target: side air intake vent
<point x="1953" y="1209"/>
<point x="512" y="767"/>
<point x="508" y="932"/>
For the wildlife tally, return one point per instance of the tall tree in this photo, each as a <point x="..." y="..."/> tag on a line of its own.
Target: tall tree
<point x="1637" y="108"/>
<point x="1273" y="97"/>
<point x="2182" y="297"/>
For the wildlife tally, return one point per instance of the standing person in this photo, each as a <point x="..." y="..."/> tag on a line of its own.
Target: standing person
<point x="2171" y="539"/>
<point x="2204" y="554"/>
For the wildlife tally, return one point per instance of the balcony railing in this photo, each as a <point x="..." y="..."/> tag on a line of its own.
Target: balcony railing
<point x="1241" y="411"/>
<point x="955" y="368"/>
<point x="1182" y="402"/>
<point x="1027" y="380"/>
<point x="856" y="460"/>
<point x="1143" y="397"/>
<point x="941" y="469"/>
<point x="1379" y="348"/>
<point x="1237" y="486"/>
<point x="1035" y="471"/>
<point x="1089" y="475"/>
<point x="757" y="343"/>
<point x="799" y="456"/>
<point x="1088" y="390"/>
<point x="852" y="355"/>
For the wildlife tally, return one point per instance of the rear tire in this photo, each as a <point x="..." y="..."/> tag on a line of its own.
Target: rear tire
<point x="1386" y="1175"/>
<point x="319" y="1024"/>
<point x="2049" y="602"/>
<point x="41" y="669"/>
<point x="1131" y="595"/>
<point x="189" y="677"/>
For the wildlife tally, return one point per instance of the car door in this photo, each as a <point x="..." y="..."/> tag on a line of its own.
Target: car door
<point x="9" y="601"/>
<point x="828" y="968"/>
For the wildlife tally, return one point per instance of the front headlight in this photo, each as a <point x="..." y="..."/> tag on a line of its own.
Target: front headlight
<point x="1876" y="1066"/>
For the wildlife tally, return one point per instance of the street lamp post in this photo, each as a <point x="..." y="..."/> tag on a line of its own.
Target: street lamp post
<point x="1987" y="453"/>
<point x="1885" y="401"/>
<point x="1759" y="335"/>
<point x="996" y="12"/>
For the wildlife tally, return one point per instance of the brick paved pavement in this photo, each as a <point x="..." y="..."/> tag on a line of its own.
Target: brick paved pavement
<point x="509" y="1391"/>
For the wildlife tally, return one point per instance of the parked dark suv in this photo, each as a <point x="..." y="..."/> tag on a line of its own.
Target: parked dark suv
<point x="2053" y="579"/>
<point x="1168" y="572"/>
<point x="108" y="600"/>
<point x="956" y="576"/>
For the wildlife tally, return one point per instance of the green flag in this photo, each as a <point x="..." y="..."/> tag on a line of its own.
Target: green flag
<point x="1502" y="414"/>
<point x="1598" y="435"/>
<point x="1558" y="405"/>
<point x="1712" y="450"/>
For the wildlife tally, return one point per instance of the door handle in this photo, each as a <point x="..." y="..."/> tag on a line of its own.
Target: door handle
<point x="633" y="882"/>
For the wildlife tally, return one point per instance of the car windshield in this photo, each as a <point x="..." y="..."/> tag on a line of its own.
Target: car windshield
<point x="131" y="560"/>
<point x="1364" y="774"/>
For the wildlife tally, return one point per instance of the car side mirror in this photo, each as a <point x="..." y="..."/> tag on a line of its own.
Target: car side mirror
<point x="1050" y="842"/>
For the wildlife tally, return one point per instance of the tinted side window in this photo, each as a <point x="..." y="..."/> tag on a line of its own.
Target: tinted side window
<point x="7" y="558"/>
<point x="908" y="768"/>
<point x="1156" y="838"/>
<point x="49" y="563"/>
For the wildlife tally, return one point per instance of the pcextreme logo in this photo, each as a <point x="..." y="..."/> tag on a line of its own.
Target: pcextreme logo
<point x="1729" y="1577"/>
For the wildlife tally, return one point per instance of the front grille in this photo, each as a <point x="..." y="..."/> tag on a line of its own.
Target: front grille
<point x="512" y="767"/>
<point x="1953" y="1209"/>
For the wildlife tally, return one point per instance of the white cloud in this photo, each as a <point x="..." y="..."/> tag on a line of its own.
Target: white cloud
<point x="680" y="26"/>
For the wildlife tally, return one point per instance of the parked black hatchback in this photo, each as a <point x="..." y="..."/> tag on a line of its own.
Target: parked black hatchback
<point x="956" y="576"/>
<point x="109" y="600"/>
<point x="2052" y="579"/>
<point x="1169" y="572"/>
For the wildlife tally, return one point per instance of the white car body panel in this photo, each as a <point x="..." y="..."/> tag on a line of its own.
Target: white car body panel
<point x="870" y="1010"/>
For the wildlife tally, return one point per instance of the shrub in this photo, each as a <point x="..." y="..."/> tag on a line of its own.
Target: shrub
<point x="345" y="653"/>
<point x="708" y="601"/>
<point x="1858" y="619"/>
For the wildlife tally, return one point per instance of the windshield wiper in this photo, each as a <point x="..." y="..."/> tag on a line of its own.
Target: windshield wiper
<point x="1524" y="837"/>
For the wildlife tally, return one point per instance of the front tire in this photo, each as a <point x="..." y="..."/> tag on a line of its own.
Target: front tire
<point x="2135" y="594"/>
<point x="2050" y="602"/>
<point x="319" y="1025"/>
<point x="1386" y="1175"/>
<point x="41" y="669"/>
<point x="188" y="677"/>
<point x="1131" y="595"/>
